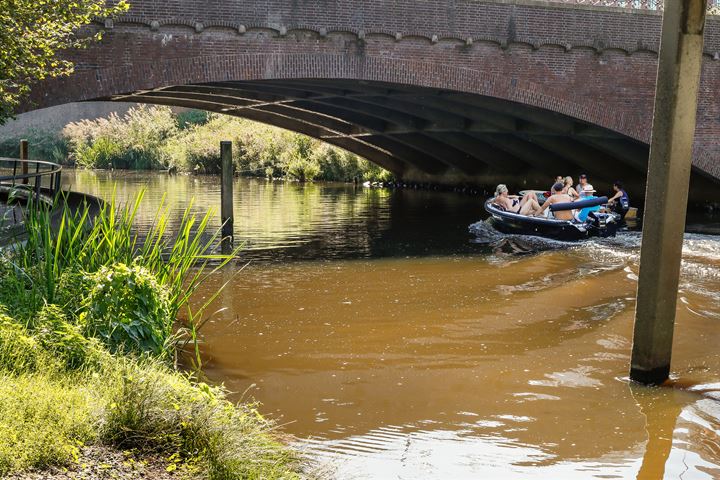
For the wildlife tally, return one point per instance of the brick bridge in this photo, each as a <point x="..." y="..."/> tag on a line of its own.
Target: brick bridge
<point x="434" y="90"/>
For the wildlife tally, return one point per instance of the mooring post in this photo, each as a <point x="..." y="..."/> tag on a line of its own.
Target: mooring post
<point x="680" y="63"/>
<point x="24" y="156"/>
<point x="226" y="196"/>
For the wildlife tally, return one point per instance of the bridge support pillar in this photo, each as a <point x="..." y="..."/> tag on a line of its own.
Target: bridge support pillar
<point x="226" y="197"/>
<point x="667" y="188"/>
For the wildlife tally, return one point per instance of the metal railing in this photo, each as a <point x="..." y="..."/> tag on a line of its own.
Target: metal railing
<point x="34" y="177"/>
<point x="713" y="5"/>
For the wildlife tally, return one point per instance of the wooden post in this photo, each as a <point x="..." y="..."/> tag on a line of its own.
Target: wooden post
<point x="668" y="181"/>
<point x="24" y="156"/>
<point x="226" y="194"/>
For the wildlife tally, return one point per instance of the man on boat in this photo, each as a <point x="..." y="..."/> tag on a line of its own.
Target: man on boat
<point x="558" y="196"/>
<point x="527" y="205"/>
<point x="584" y="189"/>
<point x="620" y="201"/>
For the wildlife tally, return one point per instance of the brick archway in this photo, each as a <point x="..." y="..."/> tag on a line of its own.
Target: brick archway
<point x="439" y="91"/>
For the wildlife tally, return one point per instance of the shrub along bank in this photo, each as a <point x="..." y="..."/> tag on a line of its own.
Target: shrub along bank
<point x="88" y="348"/>
<point x="156" y="138"/>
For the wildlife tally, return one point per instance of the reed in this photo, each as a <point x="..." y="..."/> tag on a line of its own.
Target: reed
<point x="65" y="246"/>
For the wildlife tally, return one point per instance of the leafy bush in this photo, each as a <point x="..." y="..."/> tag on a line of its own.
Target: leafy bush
<point x="375" y="173"/>
<point x="64" y="341"/>
<point x="191" y="118"/>
<point x="302" y="169"/>
<point x="101" y="153"/>
<point x="128" y="310"/>
<point x="54" y="264"/>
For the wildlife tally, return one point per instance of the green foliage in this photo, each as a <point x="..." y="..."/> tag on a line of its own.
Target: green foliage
<point x="197" y="148"/>
<point x="128" y="310"/>
<point x="44" y="145"/>
<point x="190" y="118"/>
<point x="49" y="341"/>
<point x="302" y="169"/>
<point x="152" y="138"/>
<point x="133" y="141"/>
<point x="43" y="421"/>
<point x="48" y="410"/>
<point x="375" y="173"/>
<point x="32" y="32"/>
<point x="298" y="161"/>
<point x="60" y="390"/>
<point x="99" y="154"/>
<point x="19" y="352"/>
<point x="63" y="255"/>
<point x="64" y="340"/>
<point x="160" y="411"/>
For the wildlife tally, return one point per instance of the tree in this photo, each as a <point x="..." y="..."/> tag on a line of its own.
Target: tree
<point x="33" y="32"/>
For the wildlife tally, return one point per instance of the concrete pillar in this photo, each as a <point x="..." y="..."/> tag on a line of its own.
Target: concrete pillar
<point x="24" y="156"/>
<point x="678" y="79"/>
<point x="226" y="194"/>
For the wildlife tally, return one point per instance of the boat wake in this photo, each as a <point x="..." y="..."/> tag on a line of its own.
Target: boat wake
<point x="486" y="234"/>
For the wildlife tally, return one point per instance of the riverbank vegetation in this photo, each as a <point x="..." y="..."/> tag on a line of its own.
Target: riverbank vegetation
<point x="89" y="340"/>
<point x="156" y="138"/>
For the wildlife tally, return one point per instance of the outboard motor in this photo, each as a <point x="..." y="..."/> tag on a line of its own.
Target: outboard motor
<point x="602" y="224"/>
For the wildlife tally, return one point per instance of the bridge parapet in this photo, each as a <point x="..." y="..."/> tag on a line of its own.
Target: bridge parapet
<point x="657" y="5"/>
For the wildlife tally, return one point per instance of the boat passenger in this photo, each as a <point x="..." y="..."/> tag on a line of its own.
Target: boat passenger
<point x="620" y="201"/>
<point x="558" y="196"/>
<point x="583" y="187"/>
<point x="558" y="179"/>
<point x="586" y="193"/>
<point x="527" y="205"/>
<point x="568" y="182"/>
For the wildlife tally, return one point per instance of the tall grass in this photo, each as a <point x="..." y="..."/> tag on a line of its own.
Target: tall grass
<point x="133" y="141"/>
<point x="48" y="413"/>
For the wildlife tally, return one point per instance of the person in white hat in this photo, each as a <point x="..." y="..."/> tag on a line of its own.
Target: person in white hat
<point x="586" y="192"/>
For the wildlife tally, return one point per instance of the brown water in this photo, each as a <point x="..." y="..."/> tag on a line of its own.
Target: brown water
<point x="394" y="344"/>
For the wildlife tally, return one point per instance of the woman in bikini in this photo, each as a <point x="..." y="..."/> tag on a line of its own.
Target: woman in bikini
<point x="568" y="188"/>
<point x="527" y="205"/>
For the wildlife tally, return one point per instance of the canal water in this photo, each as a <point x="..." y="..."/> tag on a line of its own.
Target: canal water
<point x="392" y="343"/>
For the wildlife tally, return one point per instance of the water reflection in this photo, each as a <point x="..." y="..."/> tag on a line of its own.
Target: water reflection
<point x="394" y="345"/>
<point x="278" y="221"/>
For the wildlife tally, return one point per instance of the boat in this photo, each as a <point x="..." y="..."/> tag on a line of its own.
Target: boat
<point x="597" y="224"/>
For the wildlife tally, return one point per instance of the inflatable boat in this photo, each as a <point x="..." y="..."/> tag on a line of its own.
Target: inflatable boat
<point x="596" y="224"/>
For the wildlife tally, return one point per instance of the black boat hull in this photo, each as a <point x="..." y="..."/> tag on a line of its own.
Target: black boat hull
<point x="599" y="225"/>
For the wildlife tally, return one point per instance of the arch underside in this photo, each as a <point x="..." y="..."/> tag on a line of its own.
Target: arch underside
<point x="419" y="132"/>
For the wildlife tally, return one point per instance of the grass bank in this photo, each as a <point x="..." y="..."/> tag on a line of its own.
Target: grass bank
<point x="88" y="348"/>
<point x="156" y="138"/>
